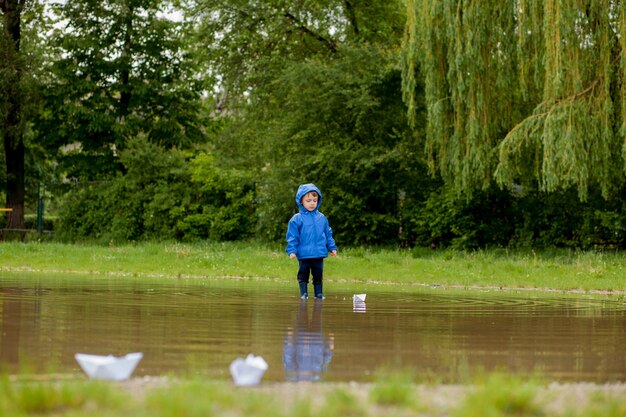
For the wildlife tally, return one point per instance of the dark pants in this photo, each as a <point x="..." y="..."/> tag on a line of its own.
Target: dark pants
<point x="314" y="266"/>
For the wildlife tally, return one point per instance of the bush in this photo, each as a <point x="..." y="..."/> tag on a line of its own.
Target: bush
<point x="161" y="196"/>
<point x="446" y="220"/>
<point x="498" y="218"/>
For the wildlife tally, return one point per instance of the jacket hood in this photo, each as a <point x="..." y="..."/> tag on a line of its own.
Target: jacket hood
<point x="304" y="189"/>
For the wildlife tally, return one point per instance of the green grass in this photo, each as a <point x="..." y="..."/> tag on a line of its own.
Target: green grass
<point x="500" y="395"/>
<point x="496" y="395"/>
<point x="560" y="270"/>
<point x="28" y="398"/>
<point x="394" y="388"/>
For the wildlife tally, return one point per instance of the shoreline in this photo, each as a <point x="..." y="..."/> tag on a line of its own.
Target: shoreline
<point x="473" y="287"/>
<point x="487" y="270"/>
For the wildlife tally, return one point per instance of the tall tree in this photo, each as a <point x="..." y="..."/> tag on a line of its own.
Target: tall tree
<point x="531" y="92"/>
<point x="120" y="69"/>
<point x="341" y="124"/>
<point x="12" y="123"/>
<point x="250" y="42"/>
<point x="315" y="90"/>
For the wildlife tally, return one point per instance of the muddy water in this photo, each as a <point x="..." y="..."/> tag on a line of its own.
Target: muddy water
<point x="199" y="327"/>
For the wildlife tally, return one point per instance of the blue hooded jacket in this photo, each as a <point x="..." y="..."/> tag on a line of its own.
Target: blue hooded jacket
<point x="308" y="233"/>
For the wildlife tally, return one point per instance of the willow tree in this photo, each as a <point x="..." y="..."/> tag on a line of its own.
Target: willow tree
<point x="523" y="92"/>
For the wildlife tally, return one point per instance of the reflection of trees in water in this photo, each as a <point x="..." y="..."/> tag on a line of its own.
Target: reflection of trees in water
<point x="307" y="351"/>
<point x="10" y="324"/>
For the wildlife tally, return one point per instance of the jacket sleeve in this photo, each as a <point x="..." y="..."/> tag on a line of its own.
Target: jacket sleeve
<point x="330" y="242"/>
<point x="293" y="236"/>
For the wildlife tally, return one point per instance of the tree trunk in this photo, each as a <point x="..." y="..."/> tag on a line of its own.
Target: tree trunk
<point x="13" y="134"/>
<point x="14" y="151"/>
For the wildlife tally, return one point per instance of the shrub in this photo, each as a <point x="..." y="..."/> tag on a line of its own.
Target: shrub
<point x="161" y="196"/>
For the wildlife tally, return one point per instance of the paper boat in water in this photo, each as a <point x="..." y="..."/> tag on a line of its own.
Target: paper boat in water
<point x="108" y="367"/>
<point x="249" y="371"/>
<point x="358" y="303"/>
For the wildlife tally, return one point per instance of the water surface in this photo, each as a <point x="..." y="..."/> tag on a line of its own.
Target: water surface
<point x="200" y="326"/>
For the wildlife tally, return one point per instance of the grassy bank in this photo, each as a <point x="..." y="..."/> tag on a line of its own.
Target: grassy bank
<point x="560" y="270"/>
<point x="394" y="395"/>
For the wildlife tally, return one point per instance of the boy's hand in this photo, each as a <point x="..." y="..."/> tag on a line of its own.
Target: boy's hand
<point x="292" y="256"/>
<point x="333" y="253"/>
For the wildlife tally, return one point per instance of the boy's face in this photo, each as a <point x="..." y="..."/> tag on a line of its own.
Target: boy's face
<point x="309" y="201"/>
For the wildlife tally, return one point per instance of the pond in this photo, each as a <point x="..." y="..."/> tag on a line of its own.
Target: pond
<point x="200" y="326"/>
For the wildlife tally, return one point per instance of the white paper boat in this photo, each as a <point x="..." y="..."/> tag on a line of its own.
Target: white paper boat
<point x="358" y="303"/>
<point x="108" y="367"/>
<point x="248" y="372"/>
<point x="359" y="307"/>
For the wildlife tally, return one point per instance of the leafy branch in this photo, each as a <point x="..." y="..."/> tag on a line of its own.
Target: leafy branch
<point x="332" y="46"/>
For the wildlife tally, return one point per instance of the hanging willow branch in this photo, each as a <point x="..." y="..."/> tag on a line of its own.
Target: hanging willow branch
<point x="526" y="91"/>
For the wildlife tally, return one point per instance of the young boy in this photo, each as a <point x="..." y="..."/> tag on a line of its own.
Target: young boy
<point x="310" y="238"/>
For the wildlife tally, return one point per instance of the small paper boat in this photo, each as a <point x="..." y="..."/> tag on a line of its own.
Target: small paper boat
<point x="108" y="367"/>
<point x="358" y="303"/>
<point x="248" y="372"/>
<point x="359" y="298"/>
<point x="359" y="307"/>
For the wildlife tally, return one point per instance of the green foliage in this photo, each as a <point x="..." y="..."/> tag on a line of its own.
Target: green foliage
<point x="310" y="92"/>
<point x="225" y="206"/>
<point x="20" y="60"/>
<point x="448" y="221"/>
<point x="117" y="70"/>
<point x="465" y="54"/>
<point x="161" y="196"/>
<point x="342" y="127"/>
<point x="257" y="40"/>
<point x="123" y="209"/>
<point x="321" y="105"/>
<point x="496" y="218"/>
<point x="560" y="219"/>
<point x="531" y="92"/>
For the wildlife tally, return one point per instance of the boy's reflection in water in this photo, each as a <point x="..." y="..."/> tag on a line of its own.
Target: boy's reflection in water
<point x="307" y="350"/>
